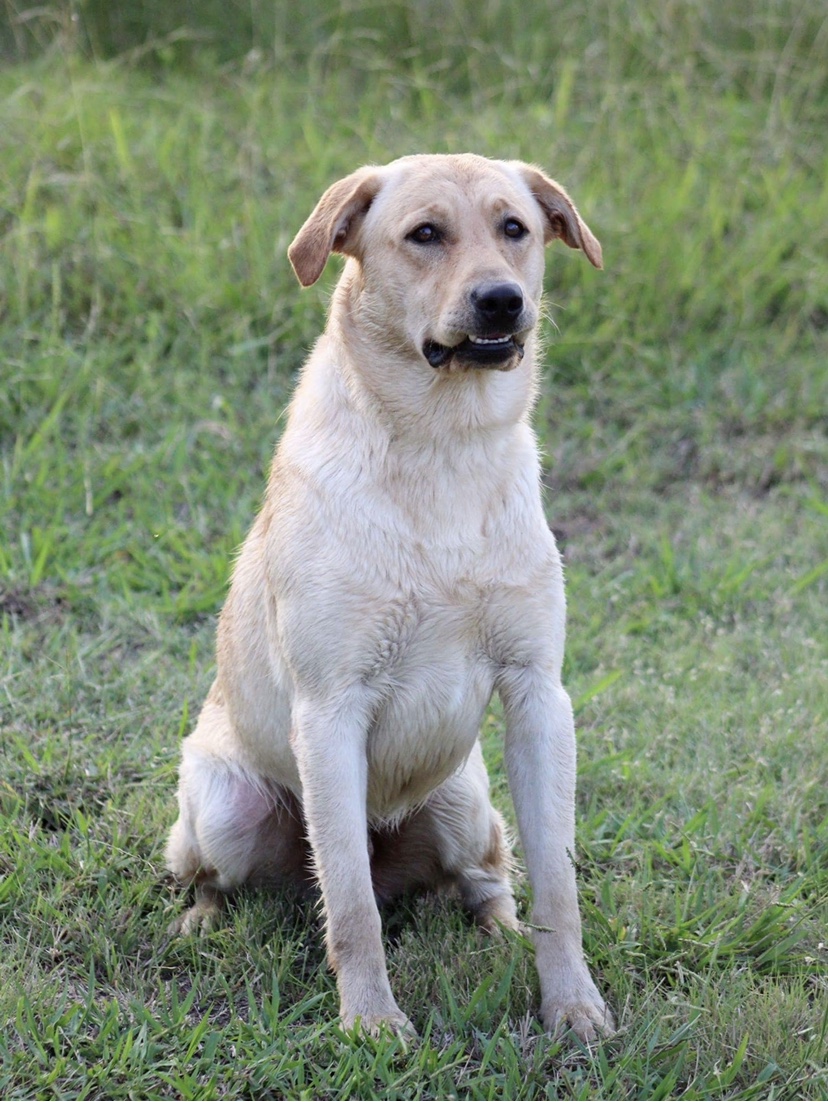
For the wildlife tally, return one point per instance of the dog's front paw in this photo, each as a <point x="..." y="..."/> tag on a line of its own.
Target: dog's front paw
<point x="584" y="1012"/>
<point x="393" y="1022"/>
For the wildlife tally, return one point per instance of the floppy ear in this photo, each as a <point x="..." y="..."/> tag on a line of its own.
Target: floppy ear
<point x="331" y="227"/>
<point x="562" y="218"/>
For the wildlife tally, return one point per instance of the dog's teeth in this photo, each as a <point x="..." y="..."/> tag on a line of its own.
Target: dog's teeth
<point x="489" y="340"/>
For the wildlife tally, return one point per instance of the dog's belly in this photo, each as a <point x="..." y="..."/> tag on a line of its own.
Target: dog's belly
<point x="425" y="729"/>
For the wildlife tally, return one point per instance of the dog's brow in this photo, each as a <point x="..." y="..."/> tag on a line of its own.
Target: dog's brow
<point x="433" y="212"/>
<point x="505" y="203"/>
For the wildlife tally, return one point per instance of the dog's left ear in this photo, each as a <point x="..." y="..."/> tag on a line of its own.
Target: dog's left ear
<point x="333" y="225"/>
<point x="561" y="214"/>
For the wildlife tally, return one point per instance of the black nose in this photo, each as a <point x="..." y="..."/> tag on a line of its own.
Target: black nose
<point x="498" y="305"/>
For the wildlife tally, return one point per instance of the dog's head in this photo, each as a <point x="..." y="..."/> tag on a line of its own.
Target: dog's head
<point x="449" y="252"/>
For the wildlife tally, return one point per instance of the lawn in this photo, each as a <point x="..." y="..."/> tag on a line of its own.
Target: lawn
<point x="155" y="161"/>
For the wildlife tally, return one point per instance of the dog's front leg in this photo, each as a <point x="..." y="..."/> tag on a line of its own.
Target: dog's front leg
<point x="329" y="742"/>
<point x="540" y="760"/>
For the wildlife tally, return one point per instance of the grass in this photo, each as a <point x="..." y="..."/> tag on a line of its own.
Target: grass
<point x="150" y="328"/>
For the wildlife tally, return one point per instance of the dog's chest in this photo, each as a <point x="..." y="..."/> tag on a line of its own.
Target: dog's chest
<point x="413" y="634"/>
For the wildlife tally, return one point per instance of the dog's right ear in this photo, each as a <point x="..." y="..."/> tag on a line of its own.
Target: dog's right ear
<point x="333" y="225"/>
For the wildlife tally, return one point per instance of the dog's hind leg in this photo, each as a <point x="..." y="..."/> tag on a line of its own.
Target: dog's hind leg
<point x="485" y="887"/>
<point x="456" y="837"/>
<point x="233" y="828"/>
<point x="474" y="849"/>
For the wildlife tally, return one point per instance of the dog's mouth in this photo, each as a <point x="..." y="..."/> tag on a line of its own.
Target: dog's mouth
<point x="493" y="350"/>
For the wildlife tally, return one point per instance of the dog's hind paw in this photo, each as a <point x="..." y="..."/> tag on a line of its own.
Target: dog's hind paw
<point x="203" y="917"/>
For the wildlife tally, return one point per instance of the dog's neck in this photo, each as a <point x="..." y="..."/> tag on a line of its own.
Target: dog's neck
<point x="453" y="446"/>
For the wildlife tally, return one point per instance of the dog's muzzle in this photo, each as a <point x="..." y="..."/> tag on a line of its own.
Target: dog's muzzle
<point x="496" y="315"/>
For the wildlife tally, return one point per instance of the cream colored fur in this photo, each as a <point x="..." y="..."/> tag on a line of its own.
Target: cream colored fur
<point x="401" y="571"/>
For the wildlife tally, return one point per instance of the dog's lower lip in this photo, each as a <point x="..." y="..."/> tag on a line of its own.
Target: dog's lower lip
<point x="437" y="354"/>
<point x="476" y="349"/>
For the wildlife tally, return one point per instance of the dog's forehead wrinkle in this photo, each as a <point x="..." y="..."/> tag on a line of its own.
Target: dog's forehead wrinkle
<point x="449" y="184"/>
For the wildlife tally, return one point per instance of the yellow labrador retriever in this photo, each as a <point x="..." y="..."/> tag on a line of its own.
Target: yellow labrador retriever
<point x="401" y="570"/>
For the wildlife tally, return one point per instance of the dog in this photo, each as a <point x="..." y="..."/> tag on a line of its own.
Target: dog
<point x="401" y="571"/>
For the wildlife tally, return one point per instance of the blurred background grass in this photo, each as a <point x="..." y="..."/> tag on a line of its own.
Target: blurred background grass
<point x="157" y="159"/>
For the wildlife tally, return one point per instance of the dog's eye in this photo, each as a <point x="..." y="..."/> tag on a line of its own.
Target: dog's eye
<point x="425" y="234"/>
<point x="514" y="229"/>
